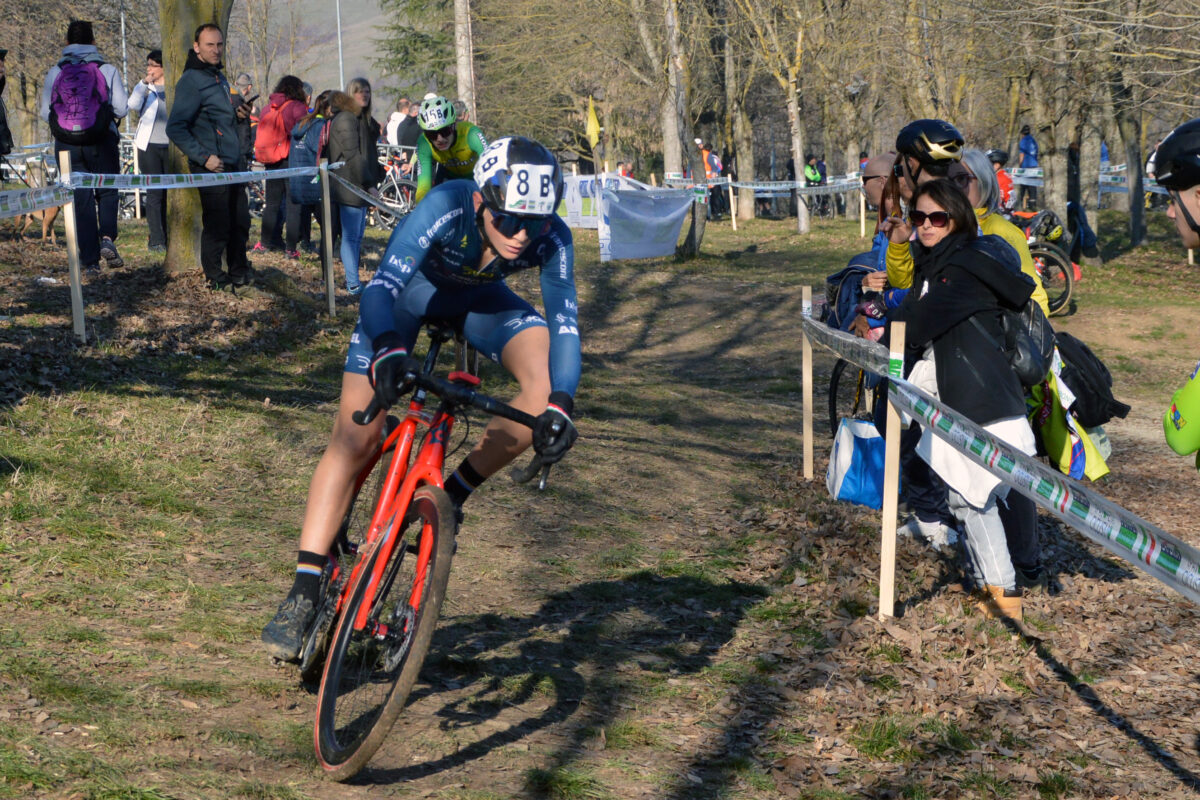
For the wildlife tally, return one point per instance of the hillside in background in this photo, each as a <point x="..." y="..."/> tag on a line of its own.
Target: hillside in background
<point x="316" y="58"/>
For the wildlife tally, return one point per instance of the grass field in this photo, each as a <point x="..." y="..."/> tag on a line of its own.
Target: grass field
<point x="675" y="617"/>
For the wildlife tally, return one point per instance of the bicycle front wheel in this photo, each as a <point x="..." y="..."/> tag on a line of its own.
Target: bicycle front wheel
<point x="370" y="671"/>
<point x="1058" y="275"/>
<point x="849" y="395"/>
<point x="398" y="195"/>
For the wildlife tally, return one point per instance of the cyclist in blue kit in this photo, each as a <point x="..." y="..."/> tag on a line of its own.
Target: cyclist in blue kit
<point x="449" y="257"/>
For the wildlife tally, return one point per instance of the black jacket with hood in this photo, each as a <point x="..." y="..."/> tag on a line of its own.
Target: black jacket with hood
<point x="955" y="280"/>
<point x="202" y="121"/>
<point x="352" y="138"/>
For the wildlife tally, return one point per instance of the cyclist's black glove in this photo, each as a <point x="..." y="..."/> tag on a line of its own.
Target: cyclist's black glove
<point x="389" y="367"/>
<point x="554" y="433"/>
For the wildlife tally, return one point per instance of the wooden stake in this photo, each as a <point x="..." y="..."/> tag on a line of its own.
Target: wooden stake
<point x="327" y="236"/>
<point x="732" y="201"/>
<point x="807" y="396"/>
<point x="1191" y="257"/>
<point x="862" y="215"/>
<point x="891" y="482"/>
<point x="137" y="193"/>
<point x="77" y="320"/>
<point x="653" y="180"/>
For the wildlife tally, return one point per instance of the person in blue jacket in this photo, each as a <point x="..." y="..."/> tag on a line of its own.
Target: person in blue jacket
<point x="450" y="257"/>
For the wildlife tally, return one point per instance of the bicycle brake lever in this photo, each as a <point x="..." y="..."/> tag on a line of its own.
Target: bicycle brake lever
<point x="545" y="475"/>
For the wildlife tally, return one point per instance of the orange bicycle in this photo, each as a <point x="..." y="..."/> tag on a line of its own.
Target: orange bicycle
<point x="386" y="577"/>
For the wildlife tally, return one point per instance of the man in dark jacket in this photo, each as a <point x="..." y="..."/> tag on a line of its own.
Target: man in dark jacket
<point x="203" y="125"/>
<point x="6" y="141"/>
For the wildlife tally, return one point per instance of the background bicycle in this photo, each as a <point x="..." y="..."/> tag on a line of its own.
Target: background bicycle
<point x="396" y="192"/>
<point x="1044" y="231"/>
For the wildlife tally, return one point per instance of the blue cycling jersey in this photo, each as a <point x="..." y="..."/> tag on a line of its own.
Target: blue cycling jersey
<point x="441" y="240"/>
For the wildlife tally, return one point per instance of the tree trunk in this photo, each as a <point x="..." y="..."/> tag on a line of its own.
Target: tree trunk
<point x="797" y="130"/>
<point x="179" y="20"/>
<point x="1054" y="165"/>
<point x="1131" y="134"/>
<point x="743" y="147"/>
<point x="464" y="55"/>
<point x="851" y="150"/>
<point x="672" y="153"/>
<point x="677" y="80"/>
<point x="741" y="133"/>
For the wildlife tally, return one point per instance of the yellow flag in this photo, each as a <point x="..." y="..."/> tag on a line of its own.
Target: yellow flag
<point x="593" y="124"/>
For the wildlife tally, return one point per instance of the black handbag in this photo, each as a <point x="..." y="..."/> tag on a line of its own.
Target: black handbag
<point x="1028" y="342"/>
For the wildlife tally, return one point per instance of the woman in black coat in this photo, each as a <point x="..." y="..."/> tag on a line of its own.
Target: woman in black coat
<point x="962" y="281"/>
<point x="352" y="136"/>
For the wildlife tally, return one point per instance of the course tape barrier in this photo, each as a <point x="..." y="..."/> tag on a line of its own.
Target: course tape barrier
<point x="375" y="201"/>
<point x="839" y="185"/>
<point x="14" y="204"/>
<point x="88" y="180"/>
<point x="1112" y="179"/>
<point x="1153" y="550"/>
<point x="871" y="356"/>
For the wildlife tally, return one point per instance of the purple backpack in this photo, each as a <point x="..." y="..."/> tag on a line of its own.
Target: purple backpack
<point x="80" y="112"/>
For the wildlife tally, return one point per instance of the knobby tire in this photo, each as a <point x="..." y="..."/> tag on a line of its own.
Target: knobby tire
<point x="848" y="394"/>
<point x="350" y="536"/>
<point x="367" y="681"/>
<point x="1058" y="276"/>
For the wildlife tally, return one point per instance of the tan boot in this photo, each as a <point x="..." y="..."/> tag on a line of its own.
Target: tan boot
<point x="998" y="603"/>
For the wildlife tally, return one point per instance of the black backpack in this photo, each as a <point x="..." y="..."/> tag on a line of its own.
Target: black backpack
<point x="1091" y="383"/>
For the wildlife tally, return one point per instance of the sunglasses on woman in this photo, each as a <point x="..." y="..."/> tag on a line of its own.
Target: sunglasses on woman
<point x="440" y="133"/>
<point x="938" y="219"/>
<point x="509" y="225"/>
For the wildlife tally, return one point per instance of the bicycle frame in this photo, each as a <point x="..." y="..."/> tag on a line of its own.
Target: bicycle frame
<point x="401" y="483"/>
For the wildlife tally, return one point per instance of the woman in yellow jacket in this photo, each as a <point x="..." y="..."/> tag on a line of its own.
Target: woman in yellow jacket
<point x="975" y="176"/>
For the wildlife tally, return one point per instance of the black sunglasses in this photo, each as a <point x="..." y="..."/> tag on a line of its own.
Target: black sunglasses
<point x="963" y="180"/>
<point x="509" y="225"/>
<point x="445" y="132"/>
<point x="938" y="219"/>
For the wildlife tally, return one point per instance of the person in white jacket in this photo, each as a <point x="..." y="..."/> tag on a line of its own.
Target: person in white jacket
<point x="149" y="100"/>
<point x="98" y="152"/>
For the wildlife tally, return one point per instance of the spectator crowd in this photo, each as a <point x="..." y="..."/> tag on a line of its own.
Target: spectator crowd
<point x="223" y="127"/>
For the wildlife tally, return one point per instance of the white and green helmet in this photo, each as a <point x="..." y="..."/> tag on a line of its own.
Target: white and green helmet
<point x="436" y="113"/>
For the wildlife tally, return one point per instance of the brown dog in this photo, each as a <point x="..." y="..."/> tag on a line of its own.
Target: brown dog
<point x="47" y="217"/>
<point x="36" y="172"/>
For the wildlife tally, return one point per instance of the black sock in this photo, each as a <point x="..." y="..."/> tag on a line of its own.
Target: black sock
<point x="309" y="566"/>
<point x="465" y="480"/>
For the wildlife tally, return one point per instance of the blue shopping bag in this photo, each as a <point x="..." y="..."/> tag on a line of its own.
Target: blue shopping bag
<point x="855" y="472"/>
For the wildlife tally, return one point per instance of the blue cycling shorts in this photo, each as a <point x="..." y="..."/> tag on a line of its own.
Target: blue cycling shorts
<point x="494" y="315"/>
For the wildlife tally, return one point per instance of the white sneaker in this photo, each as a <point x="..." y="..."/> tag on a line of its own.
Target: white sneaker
<point x="935" y="534"/>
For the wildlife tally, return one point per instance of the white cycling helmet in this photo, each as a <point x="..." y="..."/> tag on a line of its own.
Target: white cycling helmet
<point x="436" y="113"/>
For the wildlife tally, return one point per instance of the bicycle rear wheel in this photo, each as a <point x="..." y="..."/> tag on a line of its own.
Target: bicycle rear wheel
<point x="370" y="672"/>
<point x="1058" y="275"/>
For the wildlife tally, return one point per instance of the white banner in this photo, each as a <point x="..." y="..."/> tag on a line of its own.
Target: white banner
<point x="642" y="223"/>
<point x="579" y="197"/>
